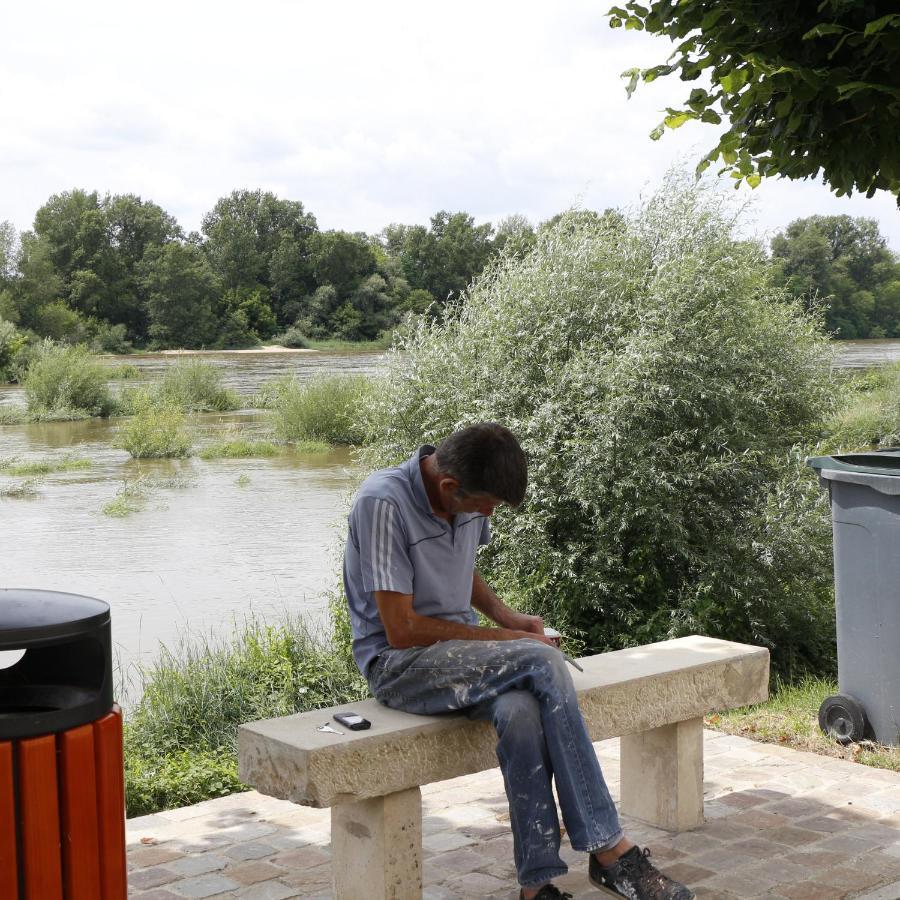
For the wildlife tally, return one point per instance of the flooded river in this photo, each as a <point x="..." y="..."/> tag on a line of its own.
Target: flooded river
<point x="216" y="540"/>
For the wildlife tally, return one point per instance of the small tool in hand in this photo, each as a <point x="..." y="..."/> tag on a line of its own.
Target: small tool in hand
<point x="572" y="662"/>
<point x="329" y="729"/>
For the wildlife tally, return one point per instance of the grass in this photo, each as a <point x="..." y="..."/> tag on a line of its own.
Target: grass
<point x="12" y="415"/>
<point x="328" y="408"/>
<point x="130" y="498"/>
<point x="311" y="448"/>
<point x="180" y="737"/>
<point x="22" y="490"/>
<point x="66" y="383"/>
<point x="240" y="448"/>
<point x="196" y="386"/>
<point x="870" y="417"/>
<point x="124" y="372"/>
<point x="44" y="467"/>
<point x="335" y="346"/>
<point x="155" y="431"/>
<point x="790" y="718"/>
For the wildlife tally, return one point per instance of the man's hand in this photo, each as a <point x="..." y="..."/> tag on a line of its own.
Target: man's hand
<point x="521" y="622"/>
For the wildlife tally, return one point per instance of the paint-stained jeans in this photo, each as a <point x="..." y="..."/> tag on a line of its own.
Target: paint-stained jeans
<point x="525" y="688"/>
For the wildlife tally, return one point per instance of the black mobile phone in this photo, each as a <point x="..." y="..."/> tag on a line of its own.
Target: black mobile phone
<point x="352" y="720"/>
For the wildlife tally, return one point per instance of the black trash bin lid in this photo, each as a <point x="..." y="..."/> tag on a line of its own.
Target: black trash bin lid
<point x="27" y="616"/>
<point x="871" y="462"/>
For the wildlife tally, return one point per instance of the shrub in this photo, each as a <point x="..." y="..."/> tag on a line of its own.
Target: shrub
<point x="156" y="430"/>
<point x="240" y="448"/>
<point x="11" y="342"/>
<point x="181" y="735"/>
<point x="293" y="338"/>
<point x="660" y="385"/>
<point x="328" y="408"/>
<point x="66" y="382"/>
<point x="196" y="386"/>
<point x="870" y="415"/>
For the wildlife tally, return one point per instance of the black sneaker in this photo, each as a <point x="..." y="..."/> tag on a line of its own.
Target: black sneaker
<point x="633" y="876"/>
<point x="549" y="892"/>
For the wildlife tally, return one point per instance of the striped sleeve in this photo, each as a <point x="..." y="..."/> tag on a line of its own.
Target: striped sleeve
<point x="383" y="553"/>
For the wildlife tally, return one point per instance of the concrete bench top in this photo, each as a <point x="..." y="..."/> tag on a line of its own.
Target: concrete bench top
<point x="620" y="693"/>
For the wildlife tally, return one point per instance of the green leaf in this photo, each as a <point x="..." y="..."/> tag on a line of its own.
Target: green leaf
<point x="632" y="23"/>
<point x="729" y="157"/>
<point x="678" y="119"/>
<point x="657" y="132"/>
<point x="754" y="180"/>
<point x="783" y="106"/>
<point x="711" y="116"/>
<point x="734" y="80"/>
<point x="633" y="76"/>
<point x="892" y="19"/>
<point x="822" y="29"/>
<point x="615" y="22"/>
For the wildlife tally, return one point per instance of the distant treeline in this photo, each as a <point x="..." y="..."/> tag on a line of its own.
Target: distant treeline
<point x="116" y="272"/>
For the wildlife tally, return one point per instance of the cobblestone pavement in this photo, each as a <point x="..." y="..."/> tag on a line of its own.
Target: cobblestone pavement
<point x="780" y="824"/>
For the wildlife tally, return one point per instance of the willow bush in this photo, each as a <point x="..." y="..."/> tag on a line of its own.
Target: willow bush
<point x="662" y="388"/>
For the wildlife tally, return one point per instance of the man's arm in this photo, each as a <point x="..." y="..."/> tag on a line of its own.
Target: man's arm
<point x="486" y="601"/>
<point x="406" y="628"/>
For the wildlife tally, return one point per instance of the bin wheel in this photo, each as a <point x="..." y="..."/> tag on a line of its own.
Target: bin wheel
<point x="843" y="718"/>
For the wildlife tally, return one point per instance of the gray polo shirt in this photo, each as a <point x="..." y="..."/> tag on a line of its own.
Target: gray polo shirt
<point x="396" y="543"/>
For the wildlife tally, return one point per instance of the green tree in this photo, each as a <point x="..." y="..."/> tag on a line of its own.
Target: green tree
<point x="9" y="253"/>
<point x="659" y="383"/>
<point x="806" y="87"/>
<point x="515" y="234"/>
<point x="844" y="263"/>
<point x="443" y="258"/>
<point x="94" y="246"/>
<point x="182" y="295"/>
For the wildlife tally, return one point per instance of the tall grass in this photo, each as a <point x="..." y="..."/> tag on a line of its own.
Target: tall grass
<point x="870" y="414"/>
<point x="328" y="408"/>
<point x="181" y="737"/>
<point x="66" y="383"/>
<point x="196" y="386"/>
<point x="155" y="431"/>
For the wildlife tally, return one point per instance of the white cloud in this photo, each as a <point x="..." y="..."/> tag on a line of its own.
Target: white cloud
<point x="367" y="113"/>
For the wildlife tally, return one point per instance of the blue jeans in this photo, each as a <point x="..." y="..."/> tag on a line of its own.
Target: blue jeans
<point x="525" y="689"/>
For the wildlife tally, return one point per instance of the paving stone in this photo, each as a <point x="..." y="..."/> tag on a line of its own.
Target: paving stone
<point x="854" y="878"/>
<point x="757" y="847"/>
<point x="251" y="850"/>
<point x="812" y="890"/>
<point x="793" y="837"/>
<point x="302" y="857"/>
<point x="158" y="894"/>
<point x="463" y="860"/>
<point x="824" y="824"/>
<point x="442" y="841"/>
<point x="144" y="879"/>
<point x="254" y="871"/>
<point x="741" y="799"/>
<point x="268" y="890"/>
<point x="687" y="873"/>
<point x="759" y="818"/>
<point x="479" y="884"/>
<point x="204" y="886"/>
<point x="313" y="879"/>
<point x="886" y="892"/>
<point x="198" y="865"/>
<point x="153" y="856"/>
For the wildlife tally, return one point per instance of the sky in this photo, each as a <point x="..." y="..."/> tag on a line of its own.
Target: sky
<point x="367" y="113"/>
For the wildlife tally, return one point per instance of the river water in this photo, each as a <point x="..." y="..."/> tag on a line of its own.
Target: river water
<point x="217" y="540"/>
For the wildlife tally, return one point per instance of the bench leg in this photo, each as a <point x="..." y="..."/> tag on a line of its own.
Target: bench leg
<point x="662" y="775"/>
<point x="376" y="847"/>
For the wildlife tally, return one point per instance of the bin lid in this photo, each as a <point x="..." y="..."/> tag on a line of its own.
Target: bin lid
<point x="877" y="469"/>
<point x="872" y="462"/>
<point x="31" y="615"/>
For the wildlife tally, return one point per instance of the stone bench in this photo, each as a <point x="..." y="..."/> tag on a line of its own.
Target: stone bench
<point x="653" y="697"/>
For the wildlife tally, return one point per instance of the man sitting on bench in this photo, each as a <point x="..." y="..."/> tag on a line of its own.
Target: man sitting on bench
<point x="410" y="579"/>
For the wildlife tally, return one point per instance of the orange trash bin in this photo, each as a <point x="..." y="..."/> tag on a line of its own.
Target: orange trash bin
<point x="62" y="791"/>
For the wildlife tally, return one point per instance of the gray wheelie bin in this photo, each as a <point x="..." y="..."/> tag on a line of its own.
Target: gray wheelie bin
<point x="865" y="506"/>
